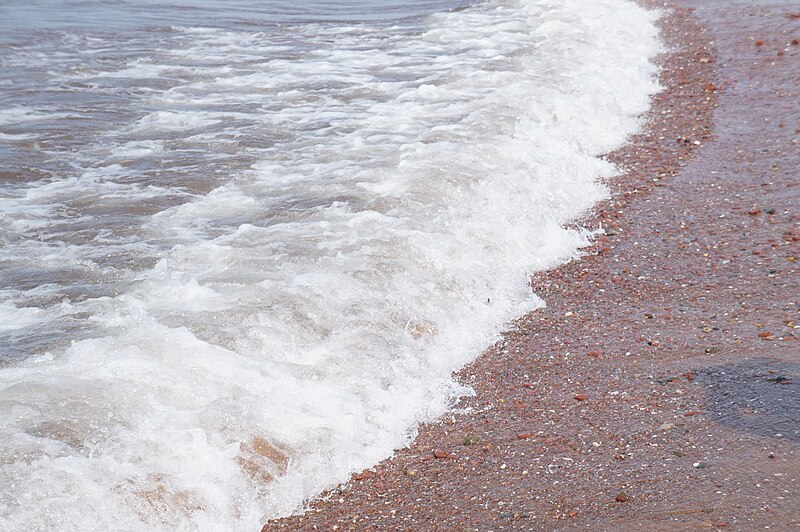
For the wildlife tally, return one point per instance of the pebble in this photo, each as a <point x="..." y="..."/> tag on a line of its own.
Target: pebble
<point x="621" y="497"/>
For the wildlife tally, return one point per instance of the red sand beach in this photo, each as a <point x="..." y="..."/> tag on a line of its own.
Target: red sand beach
<point x="660" y="388"/>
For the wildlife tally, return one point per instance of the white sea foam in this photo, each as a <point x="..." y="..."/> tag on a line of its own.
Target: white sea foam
<point x="297" y="322"/>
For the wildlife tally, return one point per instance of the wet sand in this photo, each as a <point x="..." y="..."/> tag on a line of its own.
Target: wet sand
<point x="660" y="389"/>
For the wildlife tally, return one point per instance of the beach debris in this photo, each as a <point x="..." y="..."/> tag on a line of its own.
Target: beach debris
<point x="621" y="497"/>
<point x="667" y="426"/>
<point x="441" y="453"/>
<point x="364" y="475"/>
<point x="780" y="379"/>
<point x="610" y="231"/>
<point x="759" y="43"/>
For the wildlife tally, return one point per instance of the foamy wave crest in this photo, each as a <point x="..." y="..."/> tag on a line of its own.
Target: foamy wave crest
<point x="296" y="321"/>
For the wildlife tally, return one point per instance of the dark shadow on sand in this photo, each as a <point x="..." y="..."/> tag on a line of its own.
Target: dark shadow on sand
<point x="760" y="396"/>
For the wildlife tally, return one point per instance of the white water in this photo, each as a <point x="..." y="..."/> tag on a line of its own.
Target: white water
<point x="344" y="224"/>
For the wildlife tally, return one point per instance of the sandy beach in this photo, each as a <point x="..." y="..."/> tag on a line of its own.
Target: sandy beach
<point x="660" y="388"/>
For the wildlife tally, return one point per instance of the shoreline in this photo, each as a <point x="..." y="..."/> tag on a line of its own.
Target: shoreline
<point x="659" y="387"/>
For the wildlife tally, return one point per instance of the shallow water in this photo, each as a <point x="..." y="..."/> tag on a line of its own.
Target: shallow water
<point x="244" y="247"/>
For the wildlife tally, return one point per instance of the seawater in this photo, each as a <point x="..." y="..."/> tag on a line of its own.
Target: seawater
<point x="244" y="245"/>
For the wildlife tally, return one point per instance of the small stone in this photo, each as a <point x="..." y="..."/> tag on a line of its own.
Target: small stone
<point x="524" y="435"/>
<point x="581" y="397"/>
<point x="709" y="87"/>
<point x="411" y="473"/>
<point x="610" y="231"/>
<point x="667" y="426"/>
<point x="759" y="43"/>
<point x="621" y="497"/>
<point x="440" y="453"/>
<point x="795" y="42"/>
<point x="471" y="440"/>
<point x="771" y="455"/>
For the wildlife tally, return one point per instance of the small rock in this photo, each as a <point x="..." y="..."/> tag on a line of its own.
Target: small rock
<point x="581" y="397"/>
<point x="780" y="379"/>
<point x="795" y="42"/>
<point x="471" y="440"/>
<point x="440" y="453"/>
<point x="667" y="426"/>
<point x="364" y="475"/>
<point x="610" y="231"/>
<point x="709" y="87"/>
<point x="759" y="43"/>
<point x="621" y="497"/>
<point x="691" y="413"/>
<point x="524" y="435"/>
<point x="411" y="472"/>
